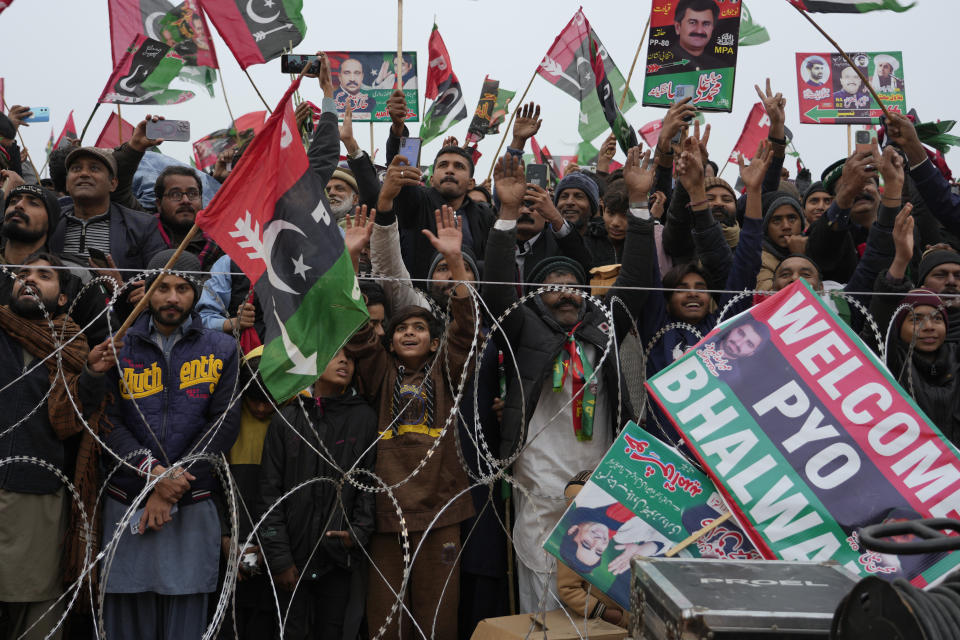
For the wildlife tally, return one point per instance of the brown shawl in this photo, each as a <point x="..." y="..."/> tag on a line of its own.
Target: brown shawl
<point x="35" y="337"/>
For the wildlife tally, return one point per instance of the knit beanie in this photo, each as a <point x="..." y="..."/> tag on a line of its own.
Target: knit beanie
<point x="711" y="182"/>
<point x="934" y="259"/>
<point x="917" y="298"/>
<point x="579" y="180"/>
<point x="554" y="264"/>
<point x="468" y="259"/>
<point x="779" y="201"/>
<point x="186" y="262"/>
<point x="50" y="203"/>
<point x="816" y="187"/>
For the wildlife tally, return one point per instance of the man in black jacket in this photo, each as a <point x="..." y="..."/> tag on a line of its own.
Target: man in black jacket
<point x="550" y="427"/>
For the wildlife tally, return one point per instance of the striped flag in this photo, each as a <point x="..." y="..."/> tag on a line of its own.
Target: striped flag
<point x="850" y="6"/>
<point x="280" y="231"/>
<point x="443" y="88"/>
<point x="143" y="75"/>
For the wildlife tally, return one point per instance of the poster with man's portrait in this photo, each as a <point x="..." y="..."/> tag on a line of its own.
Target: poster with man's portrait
<point x="365" y="80"/>
<point x="692" y="52"/>
<point x="831" y="91"/>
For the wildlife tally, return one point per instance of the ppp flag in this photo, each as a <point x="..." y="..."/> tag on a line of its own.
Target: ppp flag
<point x="68" y="133"/>
<point x="754" y="131"/>
<point x="849" y="6"/>
<point x="114" y="132"/>
<point x="279" y="230"/>
<point x="810" y="438"/>
<point x="622" y="131"/>
<point x="143" y="75"/>
<point x="257" y="30"/>
<point x="568" y="66"/>
<point x="443" y="88"/>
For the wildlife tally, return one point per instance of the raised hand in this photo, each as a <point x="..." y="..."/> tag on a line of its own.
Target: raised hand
<point x="451" y="141"/>
<point x="18" y="115"/>
<point x="639" y="174"/>
<point x="892" y="169"/>
<point x="449" y="238"/>
<point x="753" y="174"/>
<point x="510" y="184"/>
<point x="859" y="169"/>
<point x="526" y="125"/>
<point x="397" y="108"/>
<point x="346" y="130"/>
<point x="399" y="175"/>
<point x="357" y="230"/>
<point x="903" y="242"/>
<point x="775" y="106"/>
<point x="690" y="168"/>
<point x="902" y="133"/>
<point x="541" y="202"/>
<point x="139" y="140"/>
<point x="607" y="151"/>
<point x="678" y="115"/>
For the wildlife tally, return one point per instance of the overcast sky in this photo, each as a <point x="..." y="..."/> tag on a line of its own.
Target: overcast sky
<point x="56" y="53"/>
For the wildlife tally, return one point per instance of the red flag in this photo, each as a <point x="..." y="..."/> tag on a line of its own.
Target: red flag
<point x="183" y="27"/>
<point x="542" y="156"/>
<point x="111" y="136"/>
<point x="754" y="131"/>
<point x="650" y="132"/>
<point x="69" y="132"/>
<point x="439" y="71"/>
<point x="4" y="4"/>
<point x="207" y="148"/>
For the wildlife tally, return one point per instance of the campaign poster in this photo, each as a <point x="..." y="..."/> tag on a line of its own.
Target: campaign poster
<point x="642" y="499"/>
<point x="831" y="92"/>
<point x="692" y="53"/>
<point x="809" y="438"/>
<point x="367" y="78"/>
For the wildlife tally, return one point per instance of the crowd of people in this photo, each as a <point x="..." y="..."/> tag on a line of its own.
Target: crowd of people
<point x="484" y="385"/>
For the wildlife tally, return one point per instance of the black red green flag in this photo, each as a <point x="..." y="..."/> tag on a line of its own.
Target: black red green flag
<point x="280" y="231"/>
<point x="849" y="6"/>
<point x="443" y="88"/>
<point x="624" y="133"/>
<point x="257" y="30"/>
<point x="143" y="75"/>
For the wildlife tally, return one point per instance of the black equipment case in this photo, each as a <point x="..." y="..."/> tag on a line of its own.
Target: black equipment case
<point x="682" y="599"/>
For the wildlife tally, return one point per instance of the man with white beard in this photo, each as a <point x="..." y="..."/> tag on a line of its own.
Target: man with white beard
<point x="342" y="192"/>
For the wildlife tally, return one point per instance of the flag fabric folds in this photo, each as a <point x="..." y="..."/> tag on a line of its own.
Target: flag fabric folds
<point x="751" y="33"/>
<point x="443" y="88"/>
<point x="68" y="133"/>
<point x="624" y="133"/>
<point x="755" y="130"/>
<point x="281" y="233"/>
<point x="568" y="66"/>
<point x="114" y="134"/>
<point x="850" y="6"/>
<point x="257" y="31"/>
<point x="143" y="75"/>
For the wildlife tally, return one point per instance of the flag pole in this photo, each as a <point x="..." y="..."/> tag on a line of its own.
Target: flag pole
<point x="698" y="534"/>
<point x="84" y="131"/>
<point x="371" y="140"/>
<point x="119" y="125"/>
<point x="636" y="56"/>
<point x="29" y="157"/>
<point x="836" y="46"/>
<point x="233" y="121"/>
<point x="260" y="95"/>
<point x="145" y="300"/>
<point x="506" y="129"/>
<point x="398" y="63"/>
<point x="849" y="140"/>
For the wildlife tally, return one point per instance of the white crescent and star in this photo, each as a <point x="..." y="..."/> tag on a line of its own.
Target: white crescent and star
<point x="150" y="24"/>
<point x="300" y="268"/>
<point x="125" y="83"/>
<point x="257" y="17"/>
<point x="270" y="234"/>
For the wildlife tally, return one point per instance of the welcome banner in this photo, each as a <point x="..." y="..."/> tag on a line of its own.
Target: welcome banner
<point x="809" y="438"/>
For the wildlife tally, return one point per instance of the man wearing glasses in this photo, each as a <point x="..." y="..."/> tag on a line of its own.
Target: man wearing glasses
<point x="179" y="194"/>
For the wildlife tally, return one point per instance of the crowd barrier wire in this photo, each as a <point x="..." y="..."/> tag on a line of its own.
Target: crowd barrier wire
<point x="492" y="469"/>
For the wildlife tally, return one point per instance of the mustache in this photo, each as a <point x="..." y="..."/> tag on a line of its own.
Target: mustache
<point x="171" y="307"/>
<point x="698" y="35"/>
<point x="566" y="301"/>
<point x="16" y="214"/>
<point x="526" y="217"/>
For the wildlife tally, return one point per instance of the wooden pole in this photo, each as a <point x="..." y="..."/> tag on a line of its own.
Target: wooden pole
<point x="29" y="157"/>
<point x="84" y="131"/>
<point x="696" y="535"/>
<point x="145" y="300"/>
<point x="398" y="63"/>
<point x="849" y="140"/>
<point x="233" y="121"/>
<point x="119" y="125"/>
<point x="371" y="140"/>
<point x="260" y="95"/>
<point x="626" y="87"/>
<point x="506" y="130"/>
<point x="836" y="46"/>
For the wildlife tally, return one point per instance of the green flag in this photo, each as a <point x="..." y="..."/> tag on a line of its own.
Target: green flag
<point x="500" y="109"/>
<point x="751" y="33"/>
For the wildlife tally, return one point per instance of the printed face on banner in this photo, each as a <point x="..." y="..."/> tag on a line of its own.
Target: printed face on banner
<point x="832" y="92"/>
<point x="642" y="499"/>
<point x="692" y="52"/>
<point x="809" y="438"/>
<point x="366" y="79"/>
